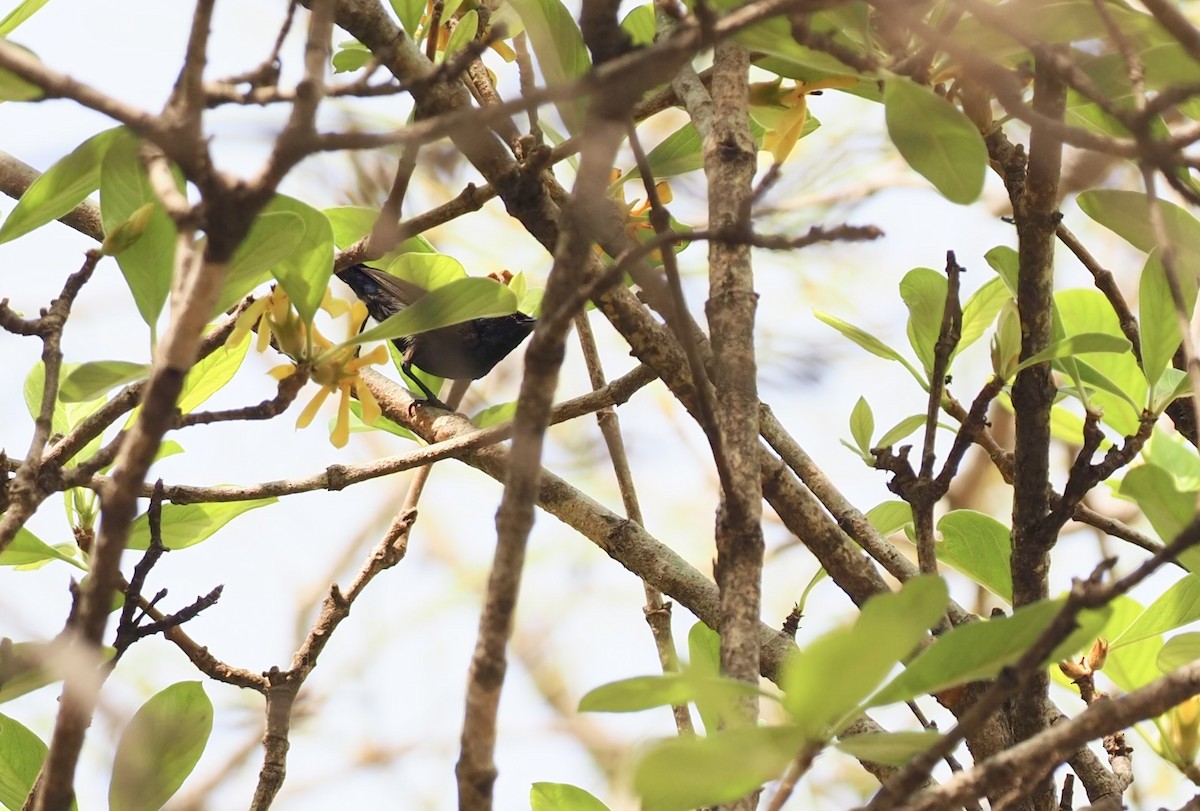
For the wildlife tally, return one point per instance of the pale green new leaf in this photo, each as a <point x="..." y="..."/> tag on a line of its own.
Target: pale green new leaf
<point x="889" y="748"/>
<point x="671" y="689"/>
<point x="924" y="293"/>
<point x="148" y="263"/>
<point x="352" y="223"/>
<point x="936" y="139"/>
<point x="1157" y="317"/>
<point x="979" y="650"/>
<point x="704" y="661"/>
<point x="271" y="239"/>
<point x="1127" y="214"/>
<point x="458" y="301"/>
<point x="980" y="311"/>
<point x="868" y="342"/>
<point x="890" y="516"/>
<point x="409" y="13"/>
<point x="27" y="549"/>
<point x="827" y="680"/>
<point x="428" y="271"/>
<point x="559" y="48"/>
<point x="463" y="33"/>
<point x="184" y="525"/>
<point x="88" y="381"/>
<point x="901" y="430"/>
<point x="494" y="415"/>
<point x="979" y="546"/>
<point x="1174" y="608"/>
<point x="1179" y="651"/>
<point x="639" y="24"/>
<point x="1078" y="345"/>
<point x="23" y="11"/>
<point x="21" y="757"/>
<point x="60" y="188"/>
<point x="686" y="773"/>
<point x="562" y="797"/>
<point x="160" y="747"/>
<point x="305" y="270"/>
<point x="862" y="425"/>
<point x="1156" y="492"/>
<point x="209" y="375"/>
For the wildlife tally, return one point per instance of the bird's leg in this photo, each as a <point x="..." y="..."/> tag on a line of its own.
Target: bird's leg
<point x="430" y="397"/>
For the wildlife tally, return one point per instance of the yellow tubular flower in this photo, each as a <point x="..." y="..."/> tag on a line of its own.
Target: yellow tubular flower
<point x="784" y="113"/>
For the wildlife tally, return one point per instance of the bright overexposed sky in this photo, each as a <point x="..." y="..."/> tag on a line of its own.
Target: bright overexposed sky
<point x="386" y="700"/>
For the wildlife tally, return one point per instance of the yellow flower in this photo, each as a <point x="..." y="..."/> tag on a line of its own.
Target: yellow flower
<point x="637" y="217"/>
<point x="336" y="370"/>
<point x="784" y="113"/>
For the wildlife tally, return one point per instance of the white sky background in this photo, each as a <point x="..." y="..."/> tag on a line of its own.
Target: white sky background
<point x="389" y="687"/>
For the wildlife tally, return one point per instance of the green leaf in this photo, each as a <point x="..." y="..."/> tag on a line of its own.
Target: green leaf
<point x="18" y="15"/>
<point x="559" y="48"/>
<point x="979" y="546"/>
<point x="63" y="186"/>
<point x="148" y="263"/>
<point x="936" y="139"/>
<point x="14" y="88"/>
<point x="1155" y="491"/>
<point x="409" y="13"/>
<point x="88" y="381"/>
<point x="1172" y="385"/>
<point x="1007" y="264"/>
<point x="350" y="56"/>
<point x="869" y="342"/>
<point x="1078" y="345"/>
<point x="889" y="748"/>
<point x="463" y="33"/>
<point x="459" y="301"/>
<point x="304" y="272"/>
<point x="980" y="311"/>
<point x="495" y="415"/>
<point x="822" y="690"/>
<point x="901" y="430"/>
<point x="704" y="661"/>
<point x="381" y="424"/>
<point x="862" y="425"/>
<point x="1127" y="214"/>
<point x="352" y="223"/>
<point x="1179" y="651"/>
<point x="160" y="747"/>
<point x="679" y="153"/>
<point x="704" y="650"/>
<point x="1157" y="318"/>
<point x="1174" y="608"/>
<point x="27" y="549"/>
<point x="686" y="773"/>
<point x="562" y="797"/>
<point x="673" y="689"/>
<point x="924" y="293"/>
<point x="639" y="24"/>
<point x="21" y="757"/>
<point x="1175" y="455"/>
<point x="29" y="666"/>
<point x="270" y="240"/>
<point x="209" y="375"/>
<point x="1134" y="665"/>
<point x="979" y="650"/>
<point x="184" y="525"/>
<point x="428" y="271"/>
<point x="890" y="516"/>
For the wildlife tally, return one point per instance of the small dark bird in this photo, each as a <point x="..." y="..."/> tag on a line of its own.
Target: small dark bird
<point x="461" y="351"/>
